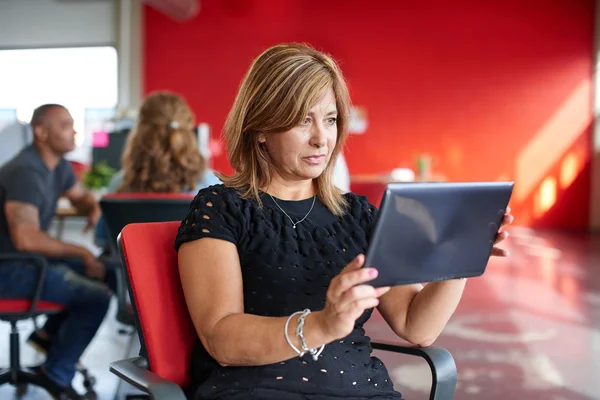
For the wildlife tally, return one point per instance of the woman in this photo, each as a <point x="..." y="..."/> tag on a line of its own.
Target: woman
<point x="161" y="154"/>
<point x="271" y="261"/>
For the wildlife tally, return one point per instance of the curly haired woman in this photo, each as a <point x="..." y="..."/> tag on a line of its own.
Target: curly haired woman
<point x="161" y="154"/>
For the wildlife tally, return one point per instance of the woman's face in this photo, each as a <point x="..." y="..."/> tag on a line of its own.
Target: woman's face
<point x="303" y="152"/>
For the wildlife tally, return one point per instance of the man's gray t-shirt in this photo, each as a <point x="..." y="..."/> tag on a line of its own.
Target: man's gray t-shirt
<point x="27" y="179"/>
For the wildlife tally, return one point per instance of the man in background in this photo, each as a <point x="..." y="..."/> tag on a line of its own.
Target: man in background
<point x="30" y="185"/>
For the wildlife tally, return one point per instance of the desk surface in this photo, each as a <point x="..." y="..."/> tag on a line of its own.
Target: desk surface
<point x="385" y="179"/>
<point x="65" y="209"/>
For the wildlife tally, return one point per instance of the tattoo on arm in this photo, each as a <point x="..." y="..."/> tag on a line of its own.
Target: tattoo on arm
<point x="19" y="213"/>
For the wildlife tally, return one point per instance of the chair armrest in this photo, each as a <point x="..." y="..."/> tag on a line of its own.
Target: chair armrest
<point x="441" y="363"/>
<point x="135" y="372"/>
<point x="39" y="262"/>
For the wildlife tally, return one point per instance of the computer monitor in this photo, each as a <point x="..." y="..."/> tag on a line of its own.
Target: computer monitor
<point x="111" y="152"/>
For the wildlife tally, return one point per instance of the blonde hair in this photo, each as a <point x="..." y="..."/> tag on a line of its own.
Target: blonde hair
<point x="277" y="93"/>
<point x="161" y="154"/>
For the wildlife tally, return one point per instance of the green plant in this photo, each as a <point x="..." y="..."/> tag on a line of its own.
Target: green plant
<point x="98" y="176"/>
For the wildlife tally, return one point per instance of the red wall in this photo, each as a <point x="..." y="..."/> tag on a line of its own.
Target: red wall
<point x="470" y="82"/>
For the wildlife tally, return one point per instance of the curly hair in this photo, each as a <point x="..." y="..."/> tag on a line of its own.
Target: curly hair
<point x="162" y="154"/>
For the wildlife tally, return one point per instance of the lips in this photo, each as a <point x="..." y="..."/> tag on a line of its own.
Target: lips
<point x="316" y="159"/>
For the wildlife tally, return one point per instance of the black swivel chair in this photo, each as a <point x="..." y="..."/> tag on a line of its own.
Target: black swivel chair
<point x="120" y="209"/>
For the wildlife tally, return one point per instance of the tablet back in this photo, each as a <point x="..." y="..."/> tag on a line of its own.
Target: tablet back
<point x="428" y="232"/>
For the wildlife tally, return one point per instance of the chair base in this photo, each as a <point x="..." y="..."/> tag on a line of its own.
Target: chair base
<point x="21" y="377"/>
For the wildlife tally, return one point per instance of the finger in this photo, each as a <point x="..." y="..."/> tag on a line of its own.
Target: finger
<point x="360" y="292"/>
<point x="499" y="252"/>
<point x="507" y="220"/>
<point x="88" y="226"/>
<point x="507" y="210"/>
<point x="355" y="293"/>
<point x="359" y="306"/>
<point x="502" y="235"/>
<point x="345" y="281"/>
<point x="355" y="264"/>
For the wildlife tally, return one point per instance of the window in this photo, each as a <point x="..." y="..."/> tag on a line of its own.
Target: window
<point x="81" y="79"/>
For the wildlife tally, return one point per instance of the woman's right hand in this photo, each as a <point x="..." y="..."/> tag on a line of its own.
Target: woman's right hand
<point x="347" y="299"/>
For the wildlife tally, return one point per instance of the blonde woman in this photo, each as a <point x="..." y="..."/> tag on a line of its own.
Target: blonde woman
<point x="271" y="261"/>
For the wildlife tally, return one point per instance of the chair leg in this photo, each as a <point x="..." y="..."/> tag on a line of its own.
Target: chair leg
<point x="60" y="227"/>
<point x="19" y="376"/>
<point x="15" y="374"/>
<point x="15" y="362"/>
<point x="4" y="376"/>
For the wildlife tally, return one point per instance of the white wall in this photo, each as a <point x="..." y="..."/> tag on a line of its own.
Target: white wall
<point x="129" y="43"/>
<point x="56" y="23"/>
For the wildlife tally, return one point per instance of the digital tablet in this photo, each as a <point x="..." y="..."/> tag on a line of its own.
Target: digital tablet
<point x="427" y="232"/>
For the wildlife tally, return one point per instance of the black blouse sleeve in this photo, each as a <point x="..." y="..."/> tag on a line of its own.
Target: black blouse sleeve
<point x="365" y="213"/>
<point x="214" y="213"/>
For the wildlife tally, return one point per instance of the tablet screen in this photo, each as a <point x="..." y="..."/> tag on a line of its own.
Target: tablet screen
<point x="428" y="232"/>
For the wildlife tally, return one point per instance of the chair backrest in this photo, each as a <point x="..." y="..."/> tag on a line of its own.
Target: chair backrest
<point x="120" y="209"/>
<point x="164" y="325"/>
<point x="79" y="168"/>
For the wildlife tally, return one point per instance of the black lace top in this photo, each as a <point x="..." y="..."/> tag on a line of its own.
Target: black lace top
<point x="286" y="270"/>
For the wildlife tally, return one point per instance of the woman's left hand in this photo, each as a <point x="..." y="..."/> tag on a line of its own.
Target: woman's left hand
<point x="502" y="234"/>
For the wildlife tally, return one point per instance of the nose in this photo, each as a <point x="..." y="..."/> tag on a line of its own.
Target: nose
<point x="318" y="138"/>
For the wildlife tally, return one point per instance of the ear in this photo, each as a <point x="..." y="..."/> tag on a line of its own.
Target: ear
<point x="39" y="132"/>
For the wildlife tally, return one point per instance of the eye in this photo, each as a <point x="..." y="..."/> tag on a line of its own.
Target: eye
<point x="331" y="121"/>
<point x="306" y="121"/>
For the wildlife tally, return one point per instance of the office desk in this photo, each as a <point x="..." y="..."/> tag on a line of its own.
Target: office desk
<point x="65" y="210"/>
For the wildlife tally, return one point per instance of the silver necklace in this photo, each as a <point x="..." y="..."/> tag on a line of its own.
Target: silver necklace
<point x="290" y="218"/>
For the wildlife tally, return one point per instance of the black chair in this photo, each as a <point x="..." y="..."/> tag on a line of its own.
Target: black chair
<point x="14" y="310"/>
<point x="121" y="209"/>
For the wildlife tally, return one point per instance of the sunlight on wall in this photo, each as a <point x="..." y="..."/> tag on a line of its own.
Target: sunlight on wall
<point x="551" y="142"/>
<point x="569" y="168"/>
<point x="545" y="196"/>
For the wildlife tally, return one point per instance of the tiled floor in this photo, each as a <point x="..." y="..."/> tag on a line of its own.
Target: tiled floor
<point x="529" y="328"/>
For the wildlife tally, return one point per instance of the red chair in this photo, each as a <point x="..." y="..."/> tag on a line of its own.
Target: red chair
<point x="120" y="209"/>
<point x="166" y="331"/>
<point x="79" y="168"/>
<point x="14" y="310"/>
